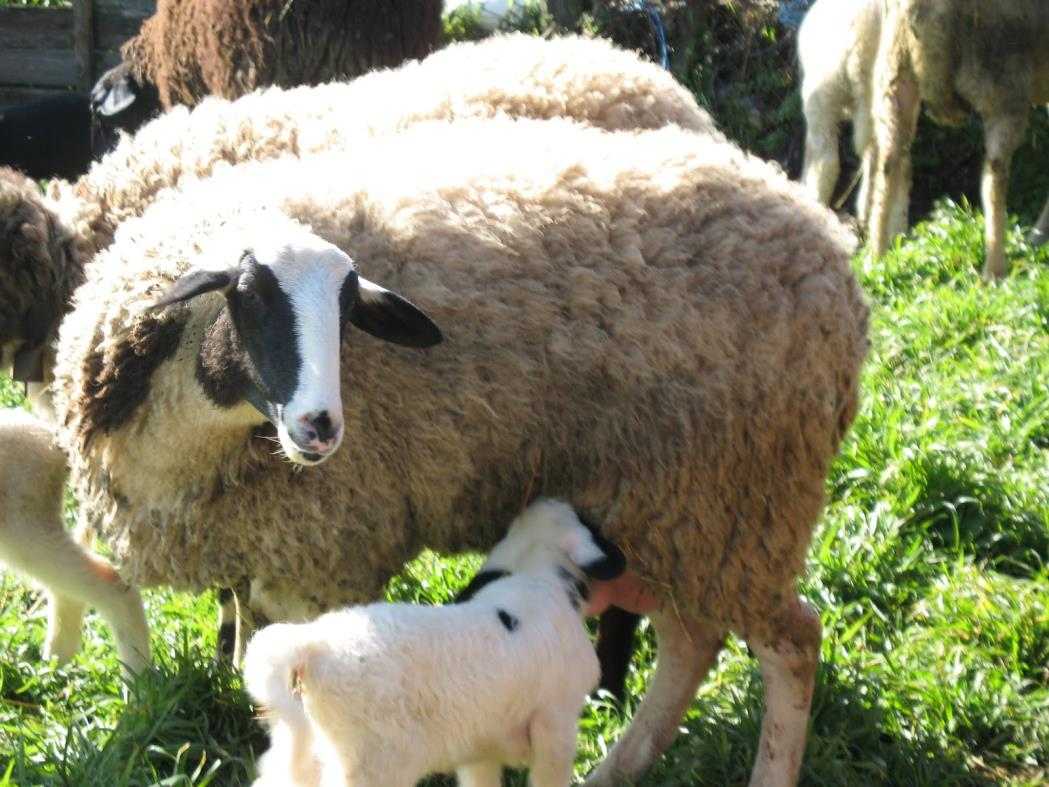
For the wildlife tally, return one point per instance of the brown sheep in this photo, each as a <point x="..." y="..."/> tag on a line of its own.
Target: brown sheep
<point x="955" y="58"/>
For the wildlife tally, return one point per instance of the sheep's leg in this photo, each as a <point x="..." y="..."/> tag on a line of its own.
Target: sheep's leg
<point x="1002" y="135"/>
<point x="245" y="619"/>
<point x="861" y="143"/>
<point x="553" y="738"/>
<point x="226" y="642"/>
<point x="1040" y="232"/>
<point x="75" y="577"/>
<point x="616" y="634"/>
<point x="821" y="166"/>
<point x="896" y="123"/>
<point x="788" y="670"/>
<point x="687" y="648"/>
<point x="480" y="774"/>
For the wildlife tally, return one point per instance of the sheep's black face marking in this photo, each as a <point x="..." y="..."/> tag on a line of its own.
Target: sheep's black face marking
<point x="509" y="621"/>
<point x="249" y="351"/>
<point x="480" y="580"/>
<point x="265" y="321"/>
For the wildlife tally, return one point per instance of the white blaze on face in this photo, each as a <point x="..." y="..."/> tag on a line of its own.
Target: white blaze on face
<point x="311" y="272"/>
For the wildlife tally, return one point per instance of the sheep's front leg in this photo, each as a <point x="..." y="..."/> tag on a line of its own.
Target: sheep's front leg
<point x="480" y="774"/>
<point x="686" y="650"/>
<point x="820" y="169"/>
<point x="1002" y="135"/>
<point x="788" y="671"/>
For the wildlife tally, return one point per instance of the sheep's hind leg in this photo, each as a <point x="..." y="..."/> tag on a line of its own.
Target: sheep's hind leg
<point x="788" y="671"/>
<point x="480" y="774"/>
<point x="1002" y="135"/>
<point x="687" y="648"/>
<point x="1040" y="232"/>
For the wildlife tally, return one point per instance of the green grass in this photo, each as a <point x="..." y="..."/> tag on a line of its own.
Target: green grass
<point x="930" y="569"/>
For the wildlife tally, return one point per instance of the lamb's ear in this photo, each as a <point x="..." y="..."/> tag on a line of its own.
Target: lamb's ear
<point x="113" y="98"/>
<point x="196" y="282"/>
<point x="388" y="316"/>
<point x="599" y="557"/>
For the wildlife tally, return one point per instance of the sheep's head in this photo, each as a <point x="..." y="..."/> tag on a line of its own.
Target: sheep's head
<point x="276" y="343"/>
<point x="39" y="269"/>
<point x="549" y="539"/>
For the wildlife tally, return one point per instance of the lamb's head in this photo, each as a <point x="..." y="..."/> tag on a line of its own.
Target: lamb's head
<point x="39" y="268"/>
<point x="548" y="540"/>
<point x="276" y="342"/>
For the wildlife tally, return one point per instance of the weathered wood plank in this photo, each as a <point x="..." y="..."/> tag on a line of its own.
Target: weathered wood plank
<point x="44" y="38"/>
<point x="31" y="22"/>
<point x="41" y="68"/>
<point x="84" y="43"/>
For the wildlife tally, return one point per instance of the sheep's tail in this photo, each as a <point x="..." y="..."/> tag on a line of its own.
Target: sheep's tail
<point x="274" y="664"/>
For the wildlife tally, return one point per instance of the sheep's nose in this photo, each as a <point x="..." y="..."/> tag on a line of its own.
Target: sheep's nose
<point x="319" y="430"/>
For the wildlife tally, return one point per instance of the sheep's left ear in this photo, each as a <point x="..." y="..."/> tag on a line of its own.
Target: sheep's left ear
<point x="388" y="316"/>
<point x="599" y="557"/>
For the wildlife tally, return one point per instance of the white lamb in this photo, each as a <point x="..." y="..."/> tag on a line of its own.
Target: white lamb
<point x="387" y="693"/>
<point x="837" y="46"/>
<point x="34" y="540"/>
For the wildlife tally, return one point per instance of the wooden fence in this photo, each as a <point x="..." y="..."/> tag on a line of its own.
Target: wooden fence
<point x="43" y="50"/>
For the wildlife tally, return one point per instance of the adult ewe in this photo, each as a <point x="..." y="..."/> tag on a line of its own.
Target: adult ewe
<point x="837" y="43"/>
<point x="191" y="49"/>
<point x="956" y="58"/>
<point x="588" y="80"/>
<point x="385" y="694"/>
<point x="655" y="327"/>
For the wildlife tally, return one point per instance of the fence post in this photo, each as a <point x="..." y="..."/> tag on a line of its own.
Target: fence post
<point x="84" y="42"/>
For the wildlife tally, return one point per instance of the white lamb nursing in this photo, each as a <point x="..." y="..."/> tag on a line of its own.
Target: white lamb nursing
<point x="386" y="693"/>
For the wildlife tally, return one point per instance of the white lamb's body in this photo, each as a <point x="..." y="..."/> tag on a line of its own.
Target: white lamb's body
<point x="34" y="540"/>
<point x="382" y="695"/>
<point x="837" y="45"/>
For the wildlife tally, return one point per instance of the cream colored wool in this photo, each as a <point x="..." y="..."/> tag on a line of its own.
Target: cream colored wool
<point x="590" y="80"/>
<point x="654" y="326"/>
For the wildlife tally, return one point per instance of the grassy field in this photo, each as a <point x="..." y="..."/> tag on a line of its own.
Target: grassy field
<point x="930" y="570"/>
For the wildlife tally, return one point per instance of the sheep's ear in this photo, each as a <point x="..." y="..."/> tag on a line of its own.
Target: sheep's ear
<point x="196" y="282"/>
<point x="388" y="316"/>
<point x="599" y="557"/>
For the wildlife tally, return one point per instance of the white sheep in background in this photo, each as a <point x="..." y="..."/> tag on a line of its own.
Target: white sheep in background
<point x="956" y="58"/>
<point x="385" y="694"/>
<point x="655" y="327"/>
<point x="837" y="44"/>
<point x="34" y="540"/>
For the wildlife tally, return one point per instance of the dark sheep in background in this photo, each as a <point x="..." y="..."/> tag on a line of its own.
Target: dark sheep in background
<point x="189" y="50"/>
<point x="49" y="137"/>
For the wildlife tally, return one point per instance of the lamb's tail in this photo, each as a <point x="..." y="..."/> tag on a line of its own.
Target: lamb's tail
<point x="274" y="662"/>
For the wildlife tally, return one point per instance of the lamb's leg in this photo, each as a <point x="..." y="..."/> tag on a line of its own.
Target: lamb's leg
<point x="553" y="738"/>
<point x="895" y="125"/>
<point x="480" y="774"/>
<point x="686" y="650"/>
<point x="46" y="551"/>
<point x="1002" y="135"/>
<point x="1040" y="232"/>
<point x="616" y="634"/>
<point x="788" y="670"/>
